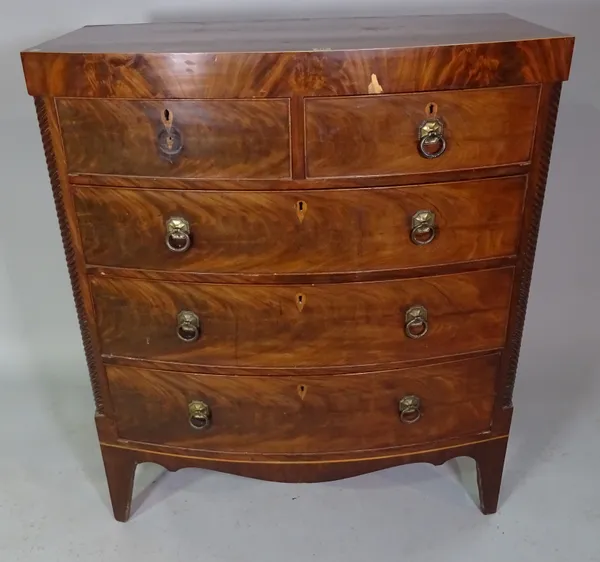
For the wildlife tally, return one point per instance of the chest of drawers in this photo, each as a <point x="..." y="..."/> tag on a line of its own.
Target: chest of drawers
<point x="301" y="250"/>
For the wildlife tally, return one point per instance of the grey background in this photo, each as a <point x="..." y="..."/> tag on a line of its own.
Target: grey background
<point x="53" y="500"/>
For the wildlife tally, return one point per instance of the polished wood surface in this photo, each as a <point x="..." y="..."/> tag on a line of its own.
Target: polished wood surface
<point x="378" y="135"/>
<point x="490" y="464"/>
<point x="310" y="34"/>
<point x="229" y="370"/>
<point x="120" y="468"/>
<point x="296" y="232"/>
<point x="221" y="139"/>
<point x="346" y="324"/>
<point x="322" y="73"/>
<point x="297" y="182"/>
<point x="318" y="462"/>
<point x="312" y="414"/>
<point x="301" y="270"/>
<point x="123" y="457"/>
<point x="297" y="278"/>
<point x="309" y="57"/>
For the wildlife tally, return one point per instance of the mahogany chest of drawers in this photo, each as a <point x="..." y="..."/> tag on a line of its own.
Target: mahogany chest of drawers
<point x="301" y="250"/>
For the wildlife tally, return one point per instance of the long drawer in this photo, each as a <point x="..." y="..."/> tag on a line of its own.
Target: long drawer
<point x="303" y="326"/>
<point x="312" y="414"/>
<point x="301" y="231"/>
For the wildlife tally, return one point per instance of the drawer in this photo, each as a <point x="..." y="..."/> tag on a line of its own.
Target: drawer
<point x="378" y="135"/>
<point x="195" y="139"/>
<point x="303" y="326"/>
<point x="304" y="414"/>
<point x="311" y="231"/>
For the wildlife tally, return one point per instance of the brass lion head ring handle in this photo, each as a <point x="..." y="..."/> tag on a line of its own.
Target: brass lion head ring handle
<point x="199" y="414"/>
<point x="178" y="238"/>
<point x="431" y="132"/>
<point x="188" y="326"/>
<point x="415" y="322"/>
<point x="423" y="228"/>
<point x="432" y="138"/>
<point x="410" y="409"/>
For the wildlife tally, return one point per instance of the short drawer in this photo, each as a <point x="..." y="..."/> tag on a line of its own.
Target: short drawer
<point x="380" y="134"/>
<point x="304" y="414"/>
<point x="303" y="325"/>
<point x="187" y="139"/>
<point x="301" y="232"/>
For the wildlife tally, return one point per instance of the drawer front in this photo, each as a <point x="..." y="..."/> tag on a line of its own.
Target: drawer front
<point x="286" y="232"/>
<point x="303" y="326"/>
<point x="312" y="414"/>
<point x="378" y="135"/>
<point x="195" y="139"/>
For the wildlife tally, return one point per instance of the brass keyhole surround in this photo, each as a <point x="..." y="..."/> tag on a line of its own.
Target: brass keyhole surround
<point x="301" y="209"/>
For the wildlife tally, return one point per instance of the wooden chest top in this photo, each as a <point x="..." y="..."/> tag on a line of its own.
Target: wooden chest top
<point x="307" y="57"/>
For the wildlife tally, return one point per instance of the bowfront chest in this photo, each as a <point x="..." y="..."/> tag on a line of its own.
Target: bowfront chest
<point x="301" y="250"/>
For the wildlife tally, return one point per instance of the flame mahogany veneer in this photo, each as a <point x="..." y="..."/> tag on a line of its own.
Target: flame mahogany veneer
<point x="301" y="250"/>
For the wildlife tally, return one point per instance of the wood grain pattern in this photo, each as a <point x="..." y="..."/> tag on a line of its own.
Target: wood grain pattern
<point x="221" y="138"/>
<point x="406" y="54"/>
<point x="489" y="458"/>
<point x="298" y="470"/>
<point x="297" y="134"/>
<point x="340" y="231"/>
<point x="307" y="34"/>
<point x="119" y="466"/>
<point x="310" y="184"/>
<point x="230" y="370"/>
<point x="327" y="73"/>
<point x="303" y="354"/>
<point x="377" y="135"/>
<point x="308" y="415"/>
<point x="366" y="276"/>
<point x="347" y="324"/>
<point x="317" y="460"/>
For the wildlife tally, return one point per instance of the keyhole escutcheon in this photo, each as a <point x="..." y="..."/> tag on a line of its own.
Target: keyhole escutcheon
<point x="302" y="389"/>
<point x="431" y="109"/>
<point x="167" y="118"/>
<point x="300" y="301"/>
<point x="301" y="209"/>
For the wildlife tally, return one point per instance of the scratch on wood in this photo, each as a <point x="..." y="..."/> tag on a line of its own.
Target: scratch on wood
<point x="375" y="86"/>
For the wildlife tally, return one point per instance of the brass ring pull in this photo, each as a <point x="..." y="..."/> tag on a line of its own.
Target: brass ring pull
<point x="423" y="228"/>
<point x="410" y="409"/>
<point x="199" y="414"/>
<point x="418" y="231"/>
<point x="188" y="326"/>
<point x="415" y="322"/>
<point x="431" y="132"/>
<point x="178" y="237"/>
<point x="432" y="138"/>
